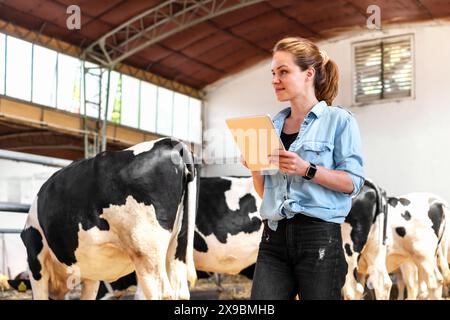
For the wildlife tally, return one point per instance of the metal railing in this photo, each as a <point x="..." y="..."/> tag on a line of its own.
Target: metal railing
<point x="31" y="158"/>
<point x="14" y="207"/>
<point x="10" y="207"/>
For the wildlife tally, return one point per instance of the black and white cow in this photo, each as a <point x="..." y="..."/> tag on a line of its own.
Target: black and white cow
<point x="104" y="217"/>
<point x="419" y="243"/>
<point x="228" y="229"/>
<point x="363" y="230"/>
<point x="228" y="225"/>
<point x="371" y="240"/>
<point x="414" y="229"/>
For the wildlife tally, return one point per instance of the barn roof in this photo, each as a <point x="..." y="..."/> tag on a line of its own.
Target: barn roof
<point x="223" y="37"/>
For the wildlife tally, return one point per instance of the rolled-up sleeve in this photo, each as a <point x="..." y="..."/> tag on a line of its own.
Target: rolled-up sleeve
<point x="348" y="154"/>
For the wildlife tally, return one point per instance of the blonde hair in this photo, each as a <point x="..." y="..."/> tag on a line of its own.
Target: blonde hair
<point x="307" y="54"/>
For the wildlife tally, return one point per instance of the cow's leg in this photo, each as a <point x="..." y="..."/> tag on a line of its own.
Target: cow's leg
<point x="151" y="272"/>
<point x="180" y="265"/>
<point x="153" y="285"/>
<point x="408" y="272"/>
<point x="218" y="281"/>
<point x="40" y="287"/>
<point x="445" y="250"/>
<point x="379" y="280"/>
<point x="430" y="274"/>
<point x="374" y="255"/>
<point x="352" y="289"/>
<point x="443" y="263"/>
<point x="177" y="270"/>
<point x="178" y="279"/>
<point x="150" y="266"/>
<point x="427" y="264"/>
<point x="444" y="266"/>
<point x="89" y="289"/>
<point x="36" y="257"/>
<point x="400" y="282"/>
<point x="139" y="295"/>
<point x="147" y="242"/>
<point x="46" y="287"/>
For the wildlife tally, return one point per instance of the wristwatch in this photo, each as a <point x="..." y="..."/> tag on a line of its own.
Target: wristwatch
<point x="310" y="172"/>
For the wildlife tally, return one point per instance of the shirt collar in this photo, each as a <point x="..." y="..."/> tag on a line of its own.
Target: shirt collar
<point x="317" y="110"/>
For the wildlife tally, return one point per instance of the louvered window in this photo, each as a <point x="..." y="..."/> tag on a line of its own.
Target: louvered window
<point x="383" y="69"/>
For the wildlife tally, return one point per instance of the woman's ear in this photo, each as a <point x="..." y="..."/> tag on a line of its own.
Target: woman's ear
<point x="310" y="72"/>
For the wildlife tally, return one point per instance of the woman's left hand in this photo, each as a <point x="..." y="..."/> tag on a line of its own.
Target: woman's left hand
<point x="289" y="162"/>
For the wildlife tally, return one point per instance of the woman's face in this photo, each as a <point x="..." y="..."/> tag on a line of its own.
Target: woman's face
<point x="288" y="80"/>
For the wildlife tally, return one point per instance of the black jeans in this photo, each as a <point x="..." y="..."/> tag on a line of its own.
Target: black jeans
<point x="304" y="256"/>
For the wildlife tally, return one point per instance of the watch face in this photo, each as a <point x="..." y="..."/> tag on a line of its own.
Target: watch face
<point x="311" y="171"/>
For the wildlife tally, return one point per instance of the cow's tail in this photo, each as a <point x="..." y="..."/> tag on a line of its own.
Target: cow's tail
<point x="191" y="199"/>
<point x="447" y="232"/>
<point x="381" y="208"/>
<point x="443" y="230"/>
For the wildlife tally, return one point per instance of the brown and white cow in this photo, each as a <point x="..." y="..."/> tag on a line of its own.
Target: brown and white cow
<point x="104" y="217"/>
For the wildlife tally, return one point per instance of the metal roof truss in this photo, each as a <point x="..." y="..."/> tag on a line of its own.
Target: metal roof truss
<point x="155" y="25"/>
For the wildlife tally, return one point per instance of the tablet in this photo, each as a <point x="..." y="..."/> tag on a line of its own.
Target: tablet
<point x="256" y="138"/>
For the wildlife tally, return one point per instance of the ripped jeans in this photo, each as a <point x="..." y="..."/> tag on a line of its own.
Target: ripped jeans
<point x="304" y="256"/>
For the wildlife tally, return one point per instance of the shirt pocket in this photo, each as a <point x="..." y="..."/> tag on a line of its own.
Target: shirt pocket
<point x="319" y="153"/>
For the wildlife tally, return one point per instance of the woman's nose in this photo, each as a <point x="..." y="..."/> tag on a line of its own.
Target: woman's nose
<point x="275" y="79"/>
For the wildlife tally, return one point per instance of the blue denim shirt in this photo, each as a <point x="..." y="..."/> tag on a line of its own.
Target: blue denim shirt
<point x="328" y="137"/>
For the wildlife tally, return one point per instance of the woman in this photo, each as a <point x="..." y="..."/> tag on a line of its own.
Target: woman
<point x="307" y="199"/>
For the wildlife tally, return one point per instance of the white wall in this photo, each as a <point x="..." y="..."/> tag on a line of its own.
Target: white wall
<point x="406" y="144"/>
<point x="21" y="181"/>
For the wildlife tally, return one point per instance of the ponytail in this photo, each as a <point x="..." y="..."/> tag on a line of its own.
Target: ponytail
<point x="326" y="82"/>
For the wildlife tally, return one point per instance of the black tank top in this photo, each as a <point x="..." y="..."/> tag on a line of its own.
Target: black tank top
<point x="288" y="138"/>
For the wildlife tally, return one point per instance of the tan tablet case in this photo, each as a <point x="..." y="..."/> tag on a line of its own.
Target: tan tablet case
<point x="256" y="138"/>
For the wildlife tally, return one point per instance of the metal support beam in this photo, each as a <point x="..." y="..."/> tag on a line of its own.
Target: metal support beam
<point x="105" y="116"/>
<point x="157" y="24"/>
<point x="95" y="139"/>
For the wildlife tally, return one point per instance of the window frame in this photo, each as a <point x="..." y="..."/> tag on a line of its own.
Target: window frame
<point x="356" y="44"/>
<point x="57" y="102"/>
